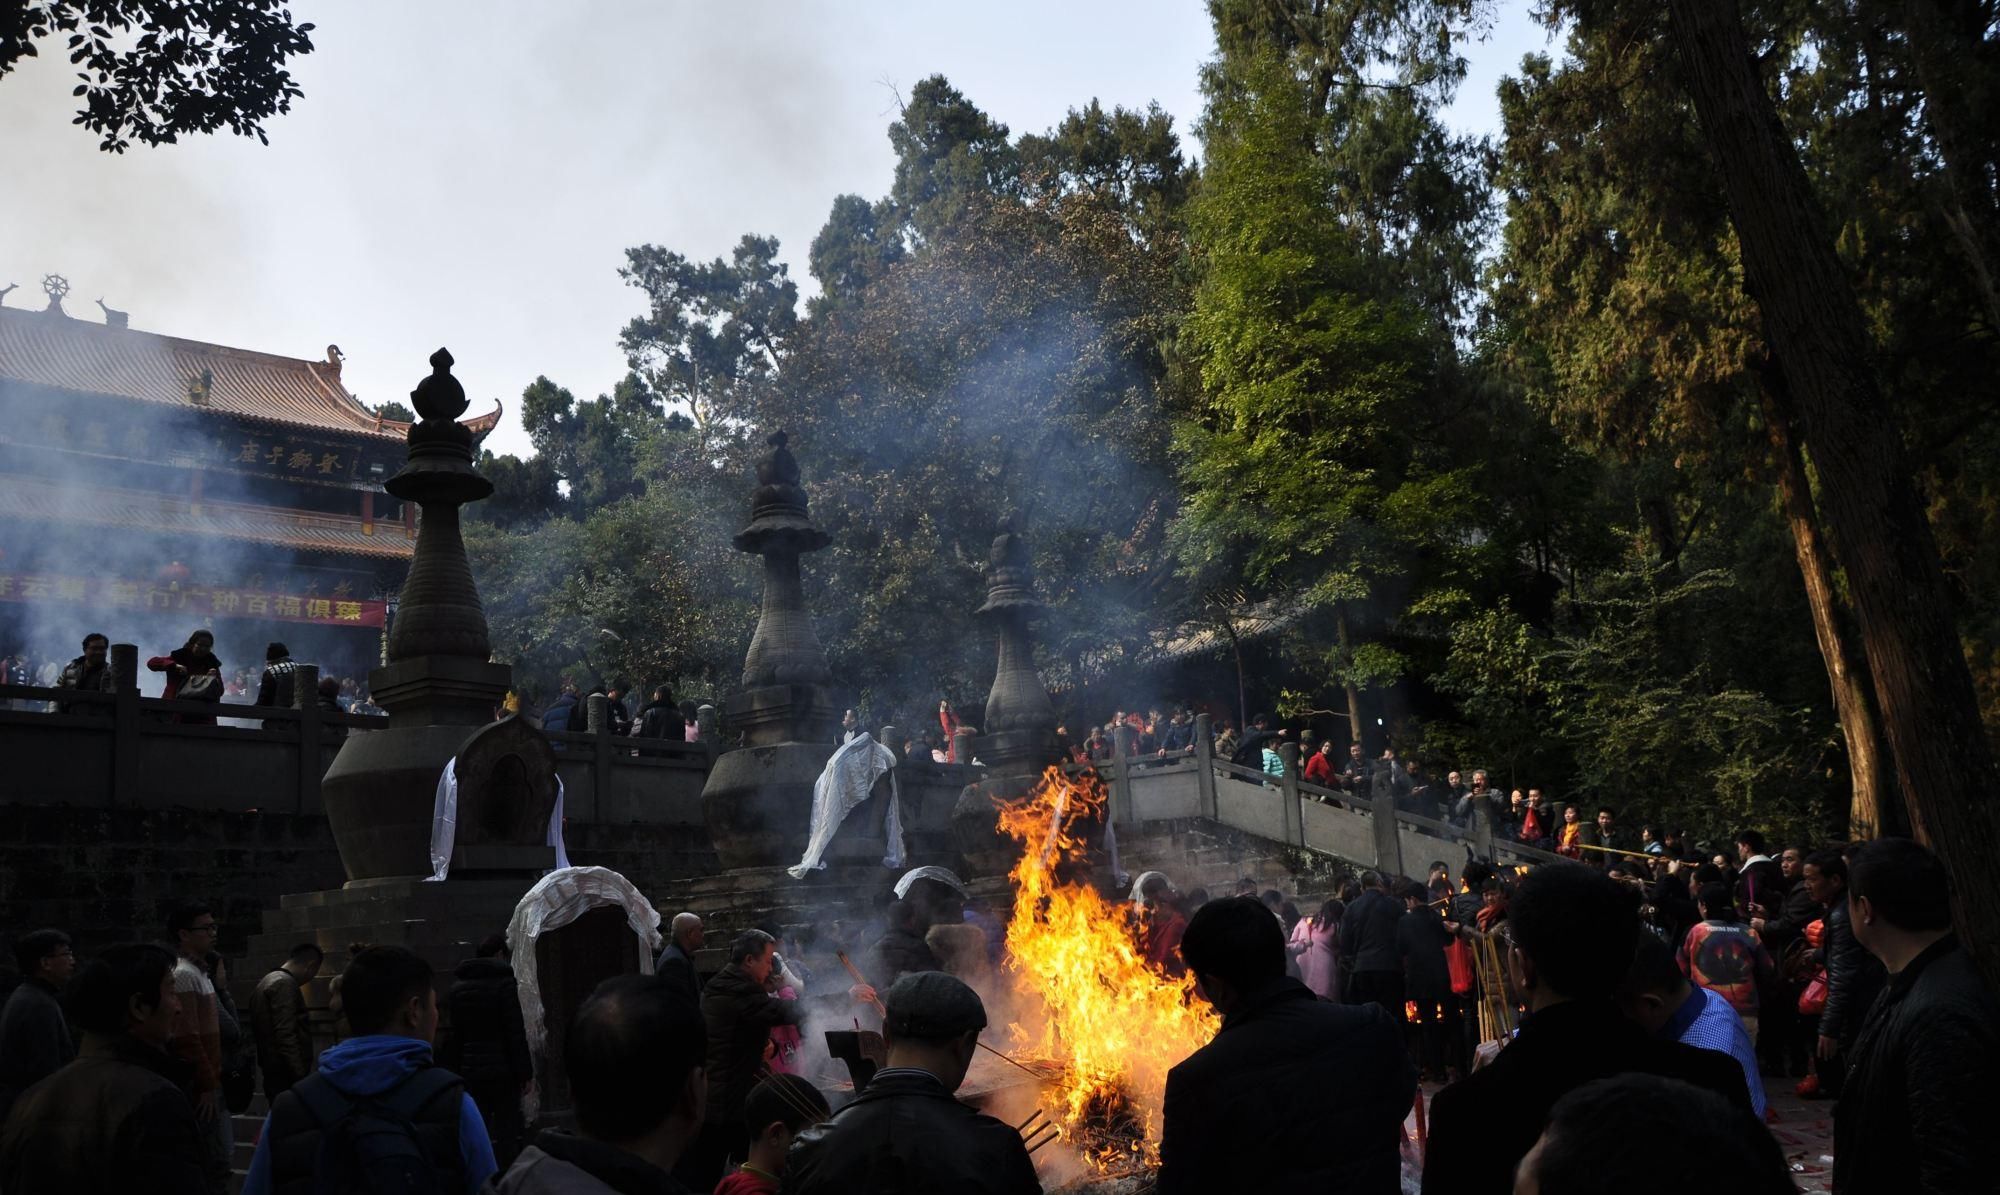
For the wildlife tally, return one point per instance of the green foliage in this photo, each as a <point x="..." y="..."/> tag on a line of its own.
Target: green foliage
<point x="711" y="331"/>
<point x="1312" y="463"/>
<point x="192" y="68"/>
<point x="1609" y="700"/>
<point x="392" y="409"/>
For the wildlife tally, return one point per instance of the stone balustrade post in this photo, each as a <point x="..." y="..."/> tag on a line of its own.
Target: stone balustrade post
<point x="709" y="730"/>
<point x="1204" y="764"/>
<point x="1288" y="786"/>
<point x="597" y="723"/>
<point x="1388" y="843"/>
<point x="305" y="699"/>
<point x="125" y="780"/>
<point x="1121" y="776"/>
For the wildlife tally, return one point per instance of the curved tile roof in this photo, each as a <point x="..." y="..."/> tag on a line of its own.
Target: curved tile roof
<point x="48" y="349"/>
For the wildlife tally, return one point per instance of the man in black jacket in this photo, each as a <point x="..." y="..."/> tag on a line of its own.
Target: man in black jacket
<point x="88" y="673"/>
<point x="1233" y="1119"/>
<point x="34" y="1038"/>
<point x="1574" y="929"/>
<point x="1250" y="752"/>
<point x="1854" y="977"/>
<point x="739" y="1014"/>
<point x="1368" y="951"/>
<point x="676" y="961"/>
<point x="633" y="1056"/>
<point x="488" y="1043"/>
<point x="905" y="1134"/>
<point x="660" y="718"/>
<point x="275" y="687"/>
<point x="117" y="1118"/>
<point x="1921" y="1104"/>
<point x="1421" y="940"/>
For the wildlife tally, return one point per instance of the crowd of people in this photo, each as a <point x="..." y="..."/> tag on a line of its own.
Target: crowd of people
<point x="190" y="672"/>
<point x="1635" y="1031"/>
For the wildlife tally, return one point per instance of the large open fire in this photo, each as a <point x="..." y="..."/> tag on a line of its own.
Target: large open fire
<point x="1110" y="1027"/>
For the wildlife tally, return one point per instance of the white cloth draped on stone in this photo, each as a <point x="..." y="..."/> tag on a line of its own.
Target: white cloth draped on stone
<point x="846" y="781"/>
<point x="444" y="822"/>
<point x="557" y="899"/>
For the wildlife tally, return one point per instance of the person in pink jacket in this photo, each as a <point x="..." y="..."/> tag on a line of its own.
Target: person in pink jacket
<point x="1315" y="947"/>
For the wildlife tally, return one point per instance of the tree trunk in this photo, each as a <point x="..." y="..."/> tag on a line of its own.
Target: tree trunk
<point x="1347" y="662"/>
<point x="1946" y="50"/>
<point x="1874" y="807"/>
<point x="1814" y="326"/>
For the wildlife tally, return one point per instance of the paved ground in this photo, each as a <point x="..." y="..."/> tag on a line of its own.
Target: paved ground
<point x="1805" y="1129"/>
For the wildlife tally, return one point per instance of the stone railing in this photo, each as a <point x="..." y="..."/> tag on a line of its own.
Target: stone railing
<point x="121" y="750"/>
<point x="1365" y="831"/>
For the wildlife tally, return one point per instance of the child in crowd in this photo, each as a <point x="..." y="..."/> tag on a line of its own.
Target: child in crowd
<point x="776" y="1110"/>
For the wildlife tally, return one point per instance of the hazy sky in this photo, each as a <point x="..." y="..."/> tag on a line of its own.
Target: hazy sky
<point x="470" y="174"/>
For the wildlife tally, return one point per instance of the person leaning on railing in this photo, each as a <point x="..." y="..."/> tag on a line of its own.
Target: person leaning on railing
<point x="88" y="673"/>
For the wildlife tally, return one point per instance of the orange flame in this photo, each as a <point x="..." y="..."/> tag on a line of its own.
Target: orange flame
<point x="1114" y="1025"/>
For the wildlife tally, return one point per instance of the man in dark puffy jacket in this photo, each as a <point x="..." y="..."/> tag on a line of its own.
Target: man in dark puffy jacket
<point x="275" y="687"/>
<point x="1369" y="954"/>
<point x="88" y="673"/>
<point x="117" y="1118"/>
<point x="487" y="1044"/>
<point x="1232" y="1119"/>
<point x="1921" y="1103"/>
<point x="905" y="1134"/>
<point x="660" y="718"/>
<point x="1853" y="976"/>
<point x="563" y="715"/>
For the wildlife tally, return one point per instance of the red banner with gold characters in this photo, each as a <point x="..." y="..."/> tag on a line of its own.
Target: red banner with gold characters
<point x="200" y="602"/>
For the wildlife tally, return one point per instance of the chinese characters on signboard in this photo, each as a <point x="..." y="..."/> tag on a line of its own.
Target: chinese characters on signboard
<point x="194" y="600"/>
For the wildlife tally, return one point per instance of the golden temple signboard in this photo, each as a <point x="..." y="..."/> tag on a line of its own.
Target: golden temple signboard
<point x="195" y="600"/>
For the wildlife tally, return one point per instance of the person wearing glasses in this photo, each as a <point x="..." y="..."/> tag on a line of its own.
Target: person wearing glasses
<point x="197" y="1036"/>
<point x="34" y="1039"/>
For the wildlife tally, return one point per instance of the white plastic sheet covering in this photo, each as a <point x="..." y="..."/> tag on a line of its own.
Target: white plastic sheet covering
<point x="846" y="781"/>
<point x="557" y="899"/>
<point x="444" y="822"/>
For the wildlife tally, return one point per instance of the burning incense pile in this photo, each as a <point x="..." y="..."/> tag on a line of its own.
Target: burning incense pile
<point x="1110" y="1026"/>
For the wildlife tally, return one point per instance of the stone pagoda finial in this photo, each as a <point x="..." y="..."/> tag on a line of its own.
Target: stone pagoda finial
<point x="1018" y="702"/>
<point x="440" y="686"/>
<point x="1019" y="739"/>
<point x="439" y="613"/>
<point x="785" y="649"/>
<point x="757" y="802"/>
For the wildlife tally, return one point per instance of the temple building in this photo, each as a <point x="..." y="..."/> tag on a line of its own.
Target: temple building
<point x="151" y="485"/>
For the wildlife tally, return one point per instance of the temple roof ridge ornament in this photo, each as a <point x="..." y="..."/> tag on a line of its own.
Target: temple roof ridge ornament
<point x="55" y="286"/>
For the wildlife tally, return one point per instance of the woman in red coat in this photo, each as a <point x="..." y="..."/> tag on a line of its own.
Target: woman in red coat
<point x="1319" y="768"/>
<point x="194" y="658"/>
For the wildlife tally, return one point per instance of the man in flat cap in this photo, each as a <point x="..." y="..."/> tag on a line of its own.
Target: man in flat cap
<point x="905" y="1133"/>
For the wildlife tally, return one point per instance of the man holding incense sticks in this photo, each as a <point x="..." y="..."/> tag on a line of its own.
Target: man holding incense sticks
<point x="905" y="1133"/>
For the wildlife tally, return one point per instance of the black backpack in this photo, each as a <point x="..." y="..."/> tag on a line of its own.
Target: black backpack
<point x="371" y="1145"/>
